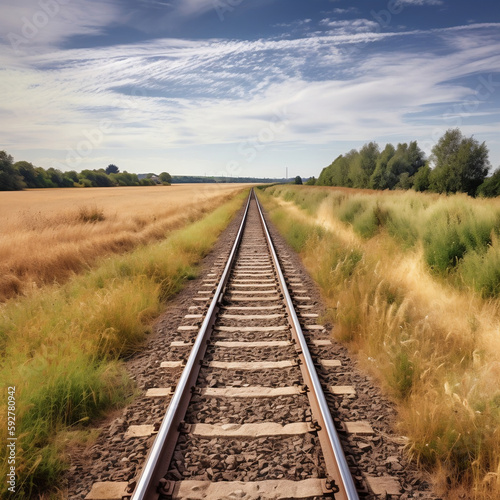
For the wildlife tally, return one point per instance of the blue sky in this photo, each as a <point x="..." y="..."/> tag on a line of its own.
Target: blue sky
<point x="242" y="87"/>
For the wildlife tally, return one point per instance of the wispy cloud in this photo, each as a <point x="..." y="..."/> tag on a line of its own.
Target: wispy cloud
<point x="172" y="87"/>
<point x="348" y="10"/>
<point x="421" y="2"/>
<point x="294" y="24"/>
<point x="350" y="26"/>
<point x="32" y="25"/>
<point x="173" y="93"/>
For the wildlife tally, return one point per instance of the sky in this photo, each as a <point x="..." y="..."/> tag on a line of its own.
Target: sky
<point x="242" y="87"/>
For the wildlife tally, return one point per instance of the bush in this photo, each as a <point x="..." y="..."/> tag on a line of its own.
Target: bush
<point x="452" y="232"/>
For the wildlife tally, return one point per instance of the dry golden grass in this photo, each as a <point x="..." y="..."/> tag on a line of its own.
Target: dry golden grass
<point x="46" y="235"/>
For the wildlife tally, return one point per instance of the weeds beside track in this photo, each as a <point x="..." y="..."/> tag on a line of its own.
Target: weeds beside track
<point x="430" y="339"/>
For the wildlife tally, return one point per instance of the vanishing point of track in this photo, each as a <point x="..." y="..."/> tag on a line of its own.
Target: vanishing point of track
<point x="248" y="417"/>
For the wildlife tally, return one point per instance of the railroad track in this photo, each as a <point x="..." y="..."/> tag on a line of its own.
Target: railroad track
<point x="248" y="418"/>
<point x="232" y="405"/>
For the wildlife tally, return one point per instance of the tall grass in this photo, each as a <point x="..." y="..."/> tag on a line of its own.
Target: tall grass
<point x="458" y="235"/>
<point x="62" y="346"/>
<point x="434" y="346"/>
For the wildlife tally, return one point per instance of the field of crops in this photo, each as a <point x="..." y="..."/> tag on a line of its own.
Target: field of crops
<point x="412" y="284"/>
<point x="46" y="235"/>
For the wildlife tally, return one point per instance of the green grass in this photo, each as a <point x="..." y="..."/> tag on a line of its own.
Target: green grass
<point x="62" y="345"/>
<point x="432" y="343"/>
<point x="458" y="234"/>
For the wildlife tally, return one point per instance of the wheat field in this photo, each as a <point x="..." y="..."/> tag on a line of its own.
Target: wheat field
<point x="46" y="235"/>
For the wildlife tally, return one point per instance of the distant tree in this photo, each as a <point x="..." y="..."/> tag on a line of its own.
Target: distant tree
<point x="404" y="165"/>
<point x="43" y="178"/>
<point x="363" y="165"/>
<point x="165" y="178"/>
<point x="404" y="182"/>
<point x="30" y="175"/>
<point x="112" y="169"/>
<point x="311" y="181"/>
<point x="421" y="180"/>
<point x="379" y="178"/>
<point x="124" y="179"/>
<point x="10" y="179"/>
<point x="58" y="179"/>
<point x="297" y="180"/>
<point x="461" y="163"/>
<point x="325" y="176"/>
<point x="71" y="175"/>
<point x="337" y="173"/>
<point x="491" y="185"/>
<point x="416" y="158"/>
<point x="97" y="178"/>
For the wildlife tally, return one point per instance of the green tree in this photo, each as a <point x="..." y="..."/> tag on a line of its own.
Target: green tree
<point x="165" y="178"/>
<point x="30" y="175"/>
<point x="124" y="179"/>
<point x="97" y="178"/>
<point x="404" y="181"/>
<point x="363" y="165"/>
<point x="461" y="163"/>
<point x="112" y="169"/>
<point x="337" y="173"/>
<point x="404" y="165"/>
<point x="10" y="179"/>
<point x="421" y="180"/>
<point x="311" y="181"/>
<point x="43" y="178"/>
<point x="58" y="179"/>
<point x="72" y="176"/>
<point x="297" y="180"/>
<point x="491" y="185"/>
<point x="378" y="179"/>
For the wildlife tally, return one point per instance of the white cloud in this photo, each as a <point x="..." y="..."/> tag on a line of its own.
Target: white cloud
<point x="421" y="2"/>
<point x="347" y="27"/>
<point x="183" y="94"/>
<point x="294" y="24"/>
<point x="348" y="10"/>
<point x="33" y="25"/>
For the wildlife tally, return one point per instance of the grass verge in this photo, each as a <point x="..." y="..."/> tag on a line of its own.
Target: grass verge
<point x="61" y="346"/>
<point x="459" y="236"/>
<point x="433" y="347"/>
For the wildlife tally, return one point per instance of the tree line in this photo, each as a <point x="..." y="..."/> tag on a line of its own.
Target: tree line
<point x="22" y="174"/>
<point x="459" y="164"/>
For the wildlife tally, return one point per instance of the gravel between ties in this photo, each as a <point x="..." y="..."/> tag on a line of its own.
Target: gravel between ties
<point x="112" y="457"/>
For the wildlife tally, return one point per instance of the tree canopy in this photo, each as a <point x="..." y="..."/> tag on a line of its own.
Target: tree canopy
<point x="10" y="179"/>
<point x="460" y="165"/>
<point x="23" y="174"/>
<point x="112" y="169"/>
<point x="165" y="178"/>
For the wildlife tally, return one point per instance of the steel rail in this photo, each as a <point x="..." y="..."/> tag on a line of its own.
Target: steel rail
<point x="166" y="439"/>
<point x="341" y="473"/>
